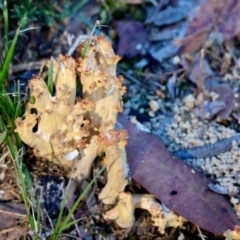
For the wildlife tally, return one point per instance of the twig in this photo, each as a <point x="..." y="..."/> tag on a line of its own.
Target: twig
<point x="4" y="156"/>
<point x="68" y="235"/>
<point x="77" y="41"/>
<point x="26" y="66"/>
<point x="76" y="226"/>
<point x="200" y="80"/>
<point x="200" y="233"/>
<point x="208" y="150"/>
<point x="131" y="78"/>
<point x="105" y="5"/>
<point x="158" y="6"/>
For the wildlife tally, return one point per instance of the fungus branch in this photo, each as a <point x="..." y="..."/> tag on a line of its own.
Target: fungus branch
<point x="60" y="123"/>
<point x="161" y="216"/>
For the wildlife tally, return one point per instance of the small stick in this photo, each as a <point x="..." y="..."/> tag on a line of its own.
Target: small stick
<point x="208" y="150"/>
<point x="200" y="233"/>
<point x="27" y="66"/>
<point x="131" y="78"/>
<point x="77" y="41"/>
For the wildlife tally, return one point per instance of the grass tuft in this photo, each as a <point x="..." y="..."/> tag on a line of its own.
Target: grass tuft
<point x="12" y="107"/>
<point x="62" y="226"/>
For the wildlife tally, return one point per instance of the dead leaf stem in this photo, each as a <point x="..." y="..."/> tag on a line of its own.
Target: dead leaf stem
<point x="208" y="150"/>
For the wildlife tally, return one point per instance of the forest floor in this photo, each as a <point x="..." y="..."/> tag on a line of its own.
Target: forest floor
<point x="181" y="65"/>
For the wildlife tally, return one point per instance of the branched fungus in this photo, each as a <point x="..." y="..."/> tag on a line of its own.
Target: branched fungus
<point x="74" y="132"/>
<point x="62" y="129"/>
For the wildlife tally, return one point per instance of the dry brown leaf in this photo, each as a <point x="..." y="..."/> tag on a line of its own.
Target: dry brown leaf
<point x="221" y="17"/>
<point x="174" y="183"/>
<point x="10" y="212"/>
<point x="226" y="95"/>
<point x="132" y="37"/>
<point x="199" y="69"/>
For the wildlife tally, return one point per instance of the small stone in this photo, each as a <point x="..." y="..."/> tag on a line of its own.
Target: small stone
<point x="154" y="105"/>
<point x="174" y="125"/>
<point x="151" y="114"/>
<point x="160" y="94"/>
<point x="185" y="125"/>
<point x="189" y="101"/>
<point x="181" y="236"/>
<point x="227" y="77"/>
<point x="214" y="96"/>
<point x="177" y="118"/>
<point x="176" y="60"/>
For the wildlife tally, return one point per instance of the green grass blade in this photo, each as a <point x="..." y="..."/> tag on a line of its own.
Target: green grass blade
<point x="71" y="211"/>
<point x="79" y="5"/>
<point x="2" y="137"/>
<point x="8" y="139"/>
<point x="85" y="20"/>
<point x="39" y="212"/>
<point x="32" y="99"/>
<point x="86" y="47"/>
<point x="18" y="111"/>
<point x="18" y="92"/>
<point x="66" y="224"/>
<point x="7" y="101"/>
<point x="22" y="174"/>
<point x="57" y="226"/>
<point x="21" y="180"/>
<point x="30" y="191"/>
<point x="14" y="91"/>
<point x="4" y="113"/>
<point x="6" y="25"/>
<point x="71" y="223"/>
<point x="50" y="77"/>
<point x="228" y="235"/>
<point x="28" y="181"/>
<point x="18" y="140"/>
<point x="41" y="70"/>
<point x="8" y="60"/>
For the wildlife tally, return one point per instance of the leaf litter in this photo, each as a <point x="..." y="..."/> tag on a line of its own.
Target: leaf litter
<point x="204" y="117"/>
<point x="217" y="18"/>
